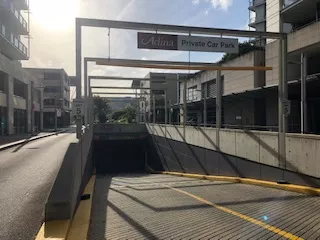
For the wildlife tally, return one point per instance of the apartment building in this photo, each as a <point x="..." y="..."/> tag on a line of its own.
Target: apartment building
<point x="251" y="98"/>
<point x="164" y="86"/>
<point x="21" y="93"/>
<point x="257" y="18"/>
<point x="56" y="83"/>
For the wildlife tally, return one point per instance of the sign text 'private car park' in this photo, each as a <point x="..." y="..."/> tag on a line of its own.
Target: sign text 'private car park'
<point x="187" y="43"/>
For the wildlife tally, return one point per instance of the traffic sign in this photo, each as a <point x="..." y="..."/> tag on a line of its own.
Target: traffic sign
<point x="78" y="107"/>
<point x="58" y="112"/>
<point x="286" y="107"/>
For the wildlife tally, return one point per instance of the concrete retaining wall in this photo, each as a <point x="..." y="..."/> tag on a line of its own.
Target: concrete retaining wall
<point x="254" y="146"/>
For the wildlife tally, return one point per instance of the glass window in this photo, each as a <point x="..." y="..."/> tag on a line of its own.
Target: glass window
<point x="19" y="88"/>
<point x="52" y="76"/>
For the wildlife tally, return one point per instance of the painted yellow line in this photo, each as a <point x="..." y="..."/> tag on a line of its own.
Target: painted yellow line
<point x="53" y="230"/>
<point x="242" y="216"/>
<point x="81" y="221"/>
<point x="287" y="187"/>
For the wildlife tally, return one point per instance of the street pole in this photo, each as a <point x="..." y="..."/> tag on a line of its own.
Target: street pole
<point x="303" y="93"/>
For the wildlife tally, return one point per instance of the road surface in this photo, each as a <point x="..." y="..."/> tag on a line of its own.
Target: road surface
<point x="27" y="173"/>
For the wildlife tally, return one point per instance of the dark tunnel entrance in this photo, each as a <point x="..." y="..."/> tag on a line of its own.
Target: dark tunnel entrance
<point x="120" y="156"/>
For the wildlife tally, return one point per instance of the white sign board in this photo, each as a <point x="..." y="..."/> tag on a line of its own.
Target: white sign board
<point x="58" y="112"/>
<point x="78" y="107"/>
<point x="187" y="43"/>
<point x="286" y="108"/>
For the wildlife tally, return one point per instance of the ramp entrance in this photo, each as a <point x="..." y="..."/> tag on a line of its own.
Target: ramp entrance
<point x="120" y="156"/>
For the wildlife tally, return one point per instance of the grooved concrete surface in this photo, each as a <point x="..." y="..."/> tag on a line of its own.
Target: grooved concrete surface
<point x="27" y="173"/>
<point x="168" y="207"/>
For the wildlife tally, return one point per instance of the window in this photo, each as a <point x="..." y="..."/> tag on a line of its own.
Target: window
<point x="52" y="76"/>
<point x="52" y="89"/>
<point x="192" y="93"/>
<point x="211" y="88"/>
<point x="49" y="102"/>
<point x="19" y="88"/>
<point x="158" y="92"/>
<point x="2" y="79"/>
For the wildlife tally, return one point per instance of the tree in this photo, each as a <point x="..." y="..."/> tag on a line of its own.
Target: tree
<point x="117" y="115"/>
<point x="101" y="108"/>
<point x="244" y="48"/>
<point x="126" y="115"/>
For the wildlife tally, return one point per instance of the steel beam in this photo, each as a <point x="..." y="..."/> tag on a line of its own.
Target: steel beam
<point x="168" y="65"/>
<point x="175" y="28"/>
<point x="120" y="93"/>
<point x="132" y="88"/>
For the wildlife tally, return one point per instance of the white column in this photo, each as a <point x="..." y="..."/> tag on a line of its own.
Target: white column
<point x="28" y="107"/>
<point x="10" y="107"/>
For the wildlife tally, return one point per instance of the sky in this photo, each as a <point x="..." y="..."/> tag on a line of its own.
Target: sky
<point x="53" y="30"/>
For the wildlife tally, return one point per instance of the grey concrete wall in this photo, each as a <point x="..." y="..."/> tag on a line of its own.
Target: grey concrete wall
<point x="257" y="146"/>
<point x="304" y="37"/>
<point x="75" y="171"/>
<point x="119" y="128"/>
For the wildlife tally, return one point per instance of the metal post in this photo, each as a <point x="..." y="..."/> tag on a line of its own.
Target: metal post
<point x="205" y="106"/>
<point x="145" y="111"/>
<point x="165" y="108"/>
<point x="78" y="73"/>
<point x="85" y="73"/>
<point x="32" y="108"/>
<point x="55" y="115"/>
<point x="185" y="113"/>
<point x="218" y="108"/>
<point x="154" y="108"/>
<point x="281" y="131"/>
<point x="303" y="93"/>
<point x="170" y="113"/>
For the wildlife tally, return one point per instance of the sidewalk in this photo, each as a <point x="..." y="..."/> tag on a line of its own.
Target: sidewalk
<point x="8" y="141"/>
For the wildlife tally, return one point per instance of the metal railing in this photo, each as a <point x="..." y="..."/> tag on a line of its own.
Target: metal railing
<point x="19" y="17"/>
<point x="287" y="3"/>
<point x="13" y="40"/>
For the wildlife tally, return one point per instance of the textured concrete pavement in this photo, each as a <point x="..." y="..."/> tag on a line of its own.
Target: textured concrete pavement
<point x="167" y="207"/>
<point x="27" y="173"/>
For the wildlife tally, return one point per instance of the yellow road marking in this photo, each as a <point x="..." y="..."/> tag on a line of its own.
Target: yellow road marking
<point x="242" y="216"/>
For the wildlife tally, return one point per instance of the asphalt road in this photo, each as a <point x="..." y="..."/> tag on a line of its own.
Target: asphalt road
<point x="27" y="173"/>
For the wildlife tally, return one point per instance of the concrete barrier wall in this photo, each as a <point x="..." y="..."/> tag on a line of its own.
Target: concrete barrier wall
<point x="257" y="146"/>
<point x="73" y="175"/>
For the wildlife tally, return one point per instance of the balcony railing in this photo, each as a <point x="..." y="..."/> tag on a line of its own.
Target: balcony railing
<point x="15" y="42"/>
<point x="253" y="3"/>
<point x="287" y="3"/>
<point x="19" y="17"/>
<point x="254" y="19"/>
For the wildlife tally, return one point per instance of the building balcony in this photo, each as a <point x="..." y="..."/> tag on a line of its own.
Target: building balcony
<point x="254" y="21"/>
<point x="253" y="4"/>
<point x="305" y="37"/>
<point x="11" y="46"/>
<point x="13" y="18"/>
<point x="292" y="9"/>
<point x="21" y="4"/>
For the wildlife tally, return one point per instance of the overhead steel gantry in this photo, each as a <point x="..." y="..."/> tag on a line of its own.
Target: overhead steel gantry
<point x="282" y="92"/>
<point x="112" y="78"/>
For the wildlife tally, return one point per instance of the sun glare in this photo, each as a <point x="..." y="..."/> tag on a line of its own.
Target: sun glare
<point x="54" y="14"/>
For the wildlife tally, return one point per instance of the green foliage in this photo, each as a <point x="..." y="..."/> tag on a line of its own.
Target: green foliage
<point x="126" y="115"/>
<point x="244" y="48"/>
<point x="101" y="108"/>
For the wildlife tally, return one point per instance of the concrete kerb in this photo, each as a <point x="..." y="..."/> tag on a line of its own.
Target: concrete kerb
<point x="286" y="187"/>
<point x="13" y="144"/>
<point x="74" y="228"/>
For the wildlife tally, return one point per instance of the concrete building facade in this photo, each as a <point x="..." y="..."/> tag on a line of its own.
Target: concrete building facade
<point x="56" y="83"/>
<point x="21" y="93"/>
